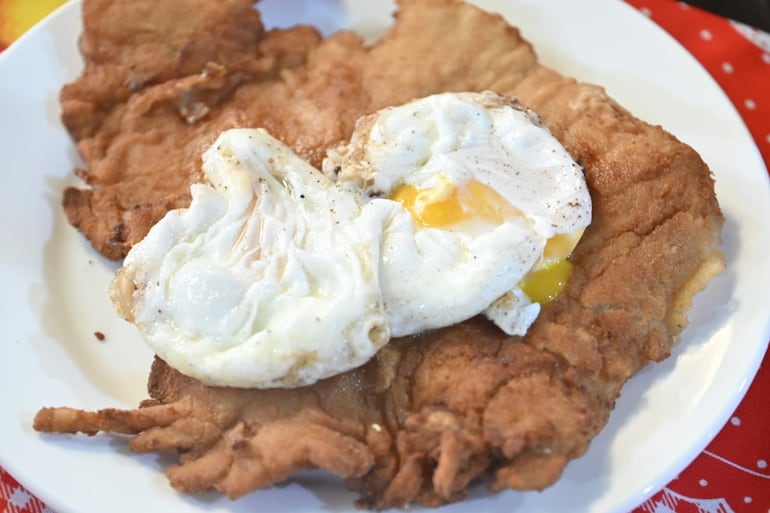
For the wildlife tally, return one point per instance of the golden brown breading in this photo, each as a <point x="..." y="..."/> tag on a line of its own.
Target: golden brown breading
<point x="153" y="94"/>
<point x="430" y="414"/>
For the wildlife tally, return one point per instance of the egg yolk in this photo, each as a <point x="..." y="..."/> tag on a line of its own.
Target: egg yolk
<point x="445" y="205"/>
<point x="544" y="284"/>
<point x="550" y="275"/>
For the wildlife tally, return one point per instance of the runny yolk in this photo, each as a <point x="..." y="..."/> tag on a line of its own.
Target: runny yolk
<point x="445" y="205"/>
<point x="549" y="277"/>
<point x="544" y="284"/>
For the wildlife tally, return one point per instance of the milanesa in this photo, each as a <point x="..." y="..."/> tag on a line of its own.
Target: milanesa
<point x="426" y="416"/>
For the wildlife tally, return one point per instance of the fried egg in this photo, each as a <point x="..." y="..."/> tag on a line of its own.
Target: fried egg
<point x="279" y="274"/>
<point x="496" y="206"/>
<point x="270" y="278"/>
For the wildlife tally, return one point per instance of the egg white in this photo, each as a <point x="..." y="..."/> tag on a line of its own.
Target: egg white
<point x="270" y="277"/>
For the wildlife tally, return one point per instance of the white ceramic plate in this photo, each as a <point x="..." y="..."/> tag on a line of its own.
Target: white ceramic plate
<point x="53" y="297"/>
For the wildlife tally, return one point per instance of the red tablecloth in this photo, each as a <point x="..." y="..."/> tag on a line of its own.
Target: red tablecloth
<point x="732" y="474"/>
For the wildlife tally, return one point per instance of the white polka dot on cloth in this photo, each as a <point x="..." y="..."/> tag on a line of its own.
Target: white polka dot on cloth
<point x="19" y="498"/>
<point x="703" y="482"/>
<point x="761" y="464"/>
<point x="750" y="104"/>
<point x="706" y="35"/>
<point x="727" y="67"/>
<point x="766" y="58"/>
<point x="747" y="500"/>
<point x="736" y="421"/>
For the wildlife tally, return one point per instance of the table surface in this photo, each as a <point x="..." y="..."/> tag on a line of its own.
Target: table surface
<point x="732" y="474"/>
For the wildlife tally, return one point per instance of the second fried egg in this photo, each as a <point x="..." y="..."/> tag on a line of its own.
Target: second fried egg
<point x="496" y="206"/>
